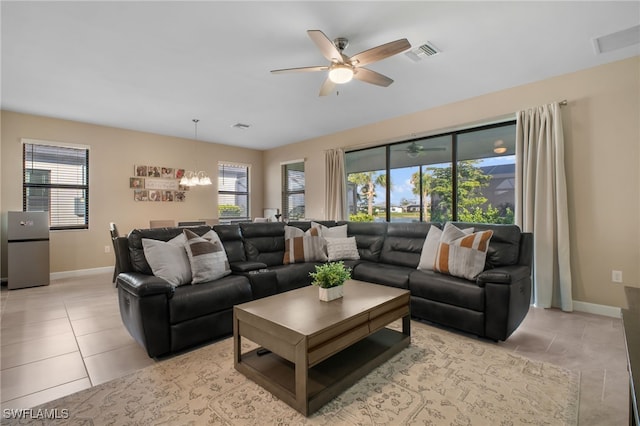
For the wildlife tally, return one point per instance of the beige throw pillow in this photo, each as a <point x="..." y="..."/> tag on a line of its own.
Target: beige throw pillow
<point x="301" y="246"/>
<point x="342" y="249"/>
<point x="462" y="255"/>
<point x="207" y="257"/>
<point x="430" y="247"/>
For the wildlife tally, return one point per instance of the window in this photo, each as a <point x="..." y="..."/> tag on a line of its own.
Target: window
<point x="233" y="191"/>
<point x="56" y="180"/>
<point x="414" y="180"/>
<point x="293" y="190"/>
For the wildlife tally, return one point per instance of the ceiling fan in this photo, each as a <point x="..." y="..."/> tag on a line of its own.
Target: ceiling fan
<point x="343" y="68"/>
<point x="413" y="150"/>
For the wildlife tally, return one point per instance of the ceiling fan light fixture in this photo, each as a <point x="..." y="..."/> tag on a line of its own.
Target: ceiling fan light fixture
<point x="498" y="147"/>
<point x="340" y="73"/>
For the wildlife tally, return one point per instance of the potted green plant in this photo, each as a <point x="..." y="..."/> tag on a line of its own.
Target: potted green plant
<point x="330" y="278"/>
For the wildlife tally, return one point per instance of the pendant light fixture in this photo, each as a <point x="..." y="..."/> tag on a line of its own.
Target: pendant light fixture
<point x="193" y="178"/>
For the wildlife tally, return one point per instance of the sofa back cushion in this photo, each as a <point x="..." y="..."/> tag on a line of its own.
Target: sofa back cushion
<point x="136" y="250"/>
<point x="369" y="238"/>
<point x="504" y="247"/>
<point x="231" y="238"/>
<point x="403" y="243"/>
<point x="264" y="242"/>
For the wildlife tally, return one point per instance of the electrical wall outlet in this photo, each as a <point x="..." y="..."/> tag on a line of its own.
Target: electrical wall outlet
<point x="616" y="276"/>
<point x="107" y="249"/>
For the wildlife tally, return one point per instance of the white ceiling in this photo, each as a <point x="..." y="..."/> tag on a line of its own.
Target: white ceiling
<point x="154" y="66"/>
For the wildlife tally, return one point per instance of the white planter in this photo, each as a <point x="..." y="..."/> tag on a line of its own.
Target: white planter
<point x="329" y="294"/>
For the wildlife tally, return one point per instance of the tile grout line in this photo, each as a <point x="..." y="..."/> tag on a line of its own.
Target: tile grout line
<point x="75" y="337"/>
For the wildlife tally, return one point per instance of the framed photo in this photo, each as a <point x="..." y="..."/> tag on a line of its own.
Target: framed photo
<point x="167" y="172"/>
<point x="140" y="170"/>
<point x="179" y="173"/>
<point x="140" y="195"/>
<point x="167" y="195"/>
<point x="179" y="196"/>
<point x="136" y="183"/>
<point x="153" y="171"/>
<point x="155" y="195"/>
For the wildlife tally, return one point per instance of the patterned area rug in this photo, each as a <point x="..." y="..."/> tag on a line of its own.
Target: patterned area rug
<point x="441" y="379"/>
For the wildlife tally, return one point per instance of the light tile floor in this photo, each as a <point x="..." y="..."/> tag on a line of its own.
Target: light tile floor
<point x="68" y="336"/>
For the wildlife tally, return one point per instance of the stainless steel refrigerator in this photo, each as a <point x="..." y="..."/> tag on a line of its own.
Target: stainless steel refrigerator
<point x="28" y="249"/>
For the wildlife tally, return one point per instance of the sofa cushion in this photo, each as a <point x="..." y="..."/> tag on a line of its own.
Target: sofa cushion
<point x="207" y="257"/>
<point x="342" y="249"/>
<point x="369" y="238"/>
<point x="378" y="273"/>
<point x="430" y="247"/>
<point x="293" y="276"/>
<point x="168" y="260"/>
<point x="303" y="246"/>
<point x="403" y="244"/>
<point x="447" y="289"/>
<point x="194" y="301"/>
<point x="231" y="238"/>
<point x="264" y="242"/>
<point x="462" y="255"/>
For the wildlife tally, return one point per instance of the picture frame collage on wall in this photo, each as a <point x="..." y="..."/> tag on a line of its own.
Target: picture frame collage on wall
<point x="155" y="183"/>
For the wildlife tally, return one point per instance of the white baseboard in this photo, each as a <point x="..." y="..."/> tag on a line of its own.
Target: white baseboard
<point x="593" y="308"/>
<point x="80" y="272"/>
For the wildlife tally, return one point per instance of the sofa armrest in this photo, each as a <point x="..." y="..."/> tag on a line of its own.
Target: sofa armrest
<point x="247" y="266"/>
<point x="143" y="285"/>
<point x="503" y="275"/>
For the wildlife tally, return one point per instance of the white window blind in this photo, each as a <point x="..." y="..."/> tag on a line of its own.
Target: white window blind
<point x="56" y="180"/>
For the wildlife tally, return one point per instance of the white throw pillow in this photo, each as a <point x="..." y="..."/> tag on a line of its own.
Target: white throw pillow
<point x="168" y="260"/>
<point x="331" y="232"/>
<point x="342" y="249"/>
<point x="462" y="255"/>
<point x="207" y="257"/>
<point x="431" y="244"/>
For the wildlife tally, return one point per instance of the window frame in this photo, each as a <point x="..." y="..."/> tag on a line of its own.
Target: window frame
<point x="453" y="135"/>
<point x="286" y="191"/>
<point x="246" y="193"/>
<point x="53" y="186"/>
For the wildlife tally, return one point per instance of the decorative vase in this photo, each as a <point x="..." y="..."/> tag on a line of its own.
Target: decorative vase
<point x="332" y="293"/>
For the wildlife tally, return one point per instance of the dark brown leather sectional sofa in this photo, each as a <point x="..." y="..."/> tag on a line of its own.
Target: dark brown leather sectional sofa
<point x="165" y="319"/>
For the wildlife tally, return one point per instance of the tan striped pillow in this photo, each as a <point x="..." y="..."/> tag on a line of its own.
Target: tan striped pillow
<point x="207" y="257"/>
<point x="301" y="246"/>
<point x="462" y="255"/>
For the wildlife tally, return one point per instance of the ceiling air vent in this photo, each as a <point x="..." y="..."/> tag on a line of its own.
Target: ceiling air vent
<point x="419" y="53"/>
<point x="241" y="126"/>
<point x="617" y="40"/>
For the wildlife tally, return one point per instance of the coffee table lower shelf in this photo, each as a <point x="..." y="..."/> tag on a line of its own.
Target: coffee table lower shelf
<point x="329" y="378"/>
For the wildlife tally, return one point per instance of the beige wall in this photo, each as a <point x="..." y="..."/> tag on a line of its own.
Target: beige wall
<point x="112" y="157"/>
<point x="602" y="137"/>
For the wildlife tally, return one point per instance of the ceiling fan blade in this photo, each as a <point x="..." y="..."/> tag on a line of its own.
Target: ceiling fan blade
<point x="327" y="87"/>
<point x="326" y="46"/>
<point x="380" y="52"/>
<point x="301" y="69"/>
<point x="368" y="76"/>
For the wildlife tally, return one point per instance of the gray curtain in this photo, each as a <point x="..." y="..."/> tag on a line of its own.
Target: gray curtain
<point x="541" y="202"/>
<point x="336" y="193"/>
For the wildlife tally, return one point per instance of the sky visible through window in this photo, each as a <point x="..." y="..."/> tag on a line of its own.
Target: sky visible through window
<point x="403" y="189"/>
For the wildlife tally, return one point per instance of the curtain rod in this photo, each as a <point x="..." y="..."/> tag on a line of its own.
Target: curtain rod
<point x="563" y="102"/>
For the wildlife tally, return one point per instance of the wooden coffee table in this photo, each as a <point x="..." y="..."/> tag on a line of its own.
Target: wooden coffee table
<point x="318" y="349"/>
